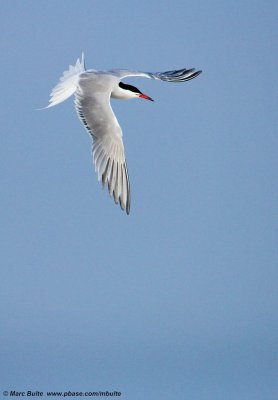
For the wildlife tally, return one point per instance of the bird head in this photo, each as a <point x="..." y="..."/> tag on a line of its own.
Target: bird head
<point x="130" y="92"/>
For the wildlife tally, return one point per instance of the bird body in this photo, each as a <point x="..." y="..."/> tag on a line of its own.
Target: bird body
<point x="93" y="90"/>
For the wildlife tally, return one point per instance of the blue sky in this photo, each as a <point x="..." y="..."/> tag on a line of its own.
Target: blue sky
<point x="179" y="299"/>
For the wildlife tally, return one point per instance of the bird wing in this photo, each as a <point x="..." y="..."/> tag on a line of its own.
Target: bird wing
<point x="92" y="102"/>
<point x="179" y="75"/>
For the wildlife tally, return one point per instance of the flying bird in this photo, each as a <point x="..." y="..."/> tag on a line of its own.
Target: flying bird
<point x="92" y="90"/>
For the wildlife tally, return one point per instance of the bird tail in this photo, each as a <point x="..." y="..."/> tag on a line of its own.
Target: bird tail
<point x="67" y="84"/>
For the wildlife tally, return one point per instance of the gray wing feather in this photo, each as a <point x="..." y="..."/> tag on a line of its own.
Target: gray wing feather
<point x="180" y="75"/>
<point x="94" y="110"/>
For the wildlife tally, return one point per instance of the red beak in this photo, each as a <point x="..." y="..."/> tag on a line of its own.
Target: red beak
<point x="144" y="96"/>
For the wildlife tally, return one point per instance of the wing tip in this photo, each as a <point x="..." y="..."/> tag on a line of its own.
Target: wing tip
<point x="123" y="197"/>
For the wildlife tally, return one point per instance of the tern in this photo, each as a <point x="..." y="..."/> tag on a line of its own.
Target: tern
<point x="93" y="90"/>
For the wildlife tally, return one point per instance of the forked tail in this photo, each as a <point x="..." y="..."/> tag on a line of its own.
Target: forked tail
<point x="67" y="84"/>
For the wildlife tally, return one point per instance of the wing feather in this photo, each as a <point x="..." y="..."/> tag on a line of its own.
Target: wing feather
<point x="179" y="75"/>
<point x="92" y="102"/>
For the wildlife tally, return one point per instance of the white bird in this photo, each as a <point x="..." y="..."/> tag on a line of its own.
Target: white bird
<point x="93" y="90"/>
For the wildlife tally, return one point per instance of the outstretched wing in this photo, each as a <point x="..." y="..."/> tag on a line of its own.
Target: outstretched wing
<point x="92" y="101"/>
<point x="179" y="75"/>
